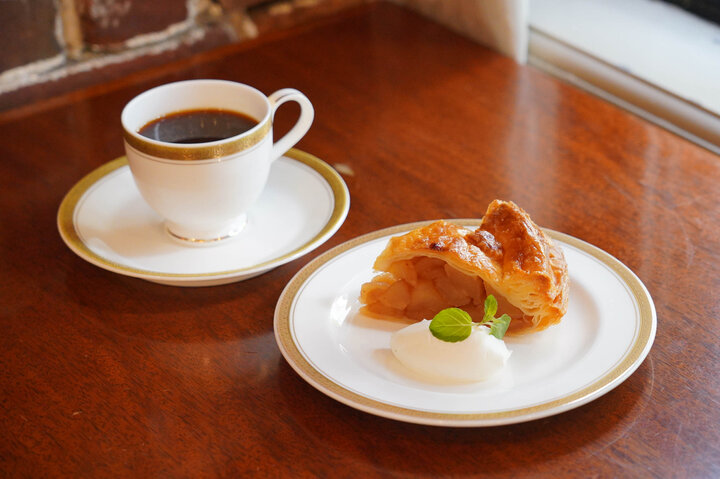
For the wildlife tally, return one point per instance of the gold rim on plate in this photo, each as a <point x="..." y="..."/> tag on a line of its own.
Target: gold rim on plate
<point x="643" y="337"/>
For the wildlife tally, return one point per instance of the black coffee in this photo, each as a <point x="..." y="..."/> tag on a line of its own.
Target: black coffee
<point x="198" y="126"/>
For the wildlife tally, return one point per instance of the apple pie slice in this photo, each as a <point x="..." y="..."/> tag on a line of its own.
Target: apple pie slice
<point x="443" y="265"/>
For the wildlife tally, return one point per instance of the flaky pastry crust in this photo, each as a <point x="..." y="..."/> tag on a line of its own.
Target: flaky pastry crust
<point x="444" y="265"/>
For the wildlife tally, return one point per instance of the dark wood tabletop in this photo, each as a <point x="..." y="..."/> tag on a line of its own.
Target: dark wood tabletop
<point x="105" y="375"/>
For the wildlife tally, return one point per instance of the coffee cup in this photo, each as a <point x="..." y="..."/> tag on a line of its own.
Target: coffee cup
<point x="200" y="152"/>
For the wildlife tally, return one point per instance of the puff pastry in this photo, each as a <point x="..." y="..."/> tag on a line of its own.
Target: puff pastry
<point x="443" y="265"/>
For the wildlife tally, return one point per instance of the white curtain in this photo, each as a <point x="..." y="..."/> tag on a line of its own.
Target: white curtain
<point x="498" y="24"/>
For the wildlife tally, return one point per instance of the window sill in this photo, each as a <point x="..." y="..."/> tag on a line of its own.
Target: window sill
<point x="657" y="61"/>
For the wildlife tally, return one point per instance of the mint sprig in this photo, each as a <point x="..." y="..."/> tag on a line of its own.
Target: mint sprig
<point x="454" y="324"/>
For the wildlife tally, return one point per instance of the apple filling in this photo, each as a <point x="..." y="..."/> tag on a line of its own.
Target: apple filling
<point x="420" y="287"/>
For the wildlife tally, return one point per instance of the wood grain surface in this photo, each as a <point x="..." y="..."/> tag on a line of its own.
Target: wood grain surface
<point x="104" y="375"/>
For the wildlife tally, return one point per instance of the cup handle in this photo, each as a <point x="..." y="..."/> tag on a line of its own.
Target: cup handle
<point x="307" y="113"/>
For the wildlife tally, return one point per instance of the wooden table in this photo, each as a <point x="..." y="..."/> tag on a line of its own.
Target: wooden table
<point x="105" y="375"/>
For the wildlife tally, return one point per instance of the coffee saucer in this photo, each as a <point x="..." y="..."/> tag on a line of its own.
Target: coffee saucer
<point x="105" y="221"/>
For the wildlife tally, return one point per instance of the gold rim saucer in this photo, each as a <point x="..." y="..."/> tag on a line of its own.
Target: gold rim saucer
<point x="66" y="221"/>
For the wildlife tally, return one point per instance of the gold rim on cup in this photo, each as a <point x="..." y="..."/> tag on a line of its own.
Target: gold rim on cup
<point x="196" y="152"/>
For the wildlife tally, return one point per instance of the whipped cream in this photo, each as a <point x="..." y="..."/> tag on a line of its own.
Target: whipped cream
<point x="475" y="358"/>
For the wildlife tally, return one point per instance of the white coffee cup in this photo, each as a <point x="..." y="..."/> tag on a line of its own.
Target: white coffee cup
<point x="204" y="190"/>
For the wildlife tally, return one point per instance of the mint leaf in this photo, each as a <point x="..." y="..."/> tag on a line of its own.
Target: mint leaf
<point x="451" y="325"/>
<point x="499" y="326"/>
<point x="490" y="308"/>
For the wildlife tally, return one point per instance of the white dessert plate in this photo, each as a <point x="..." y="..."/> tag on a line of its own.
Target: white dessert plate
<point x="105" y="221"/>
<point x="605" y="335"/>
